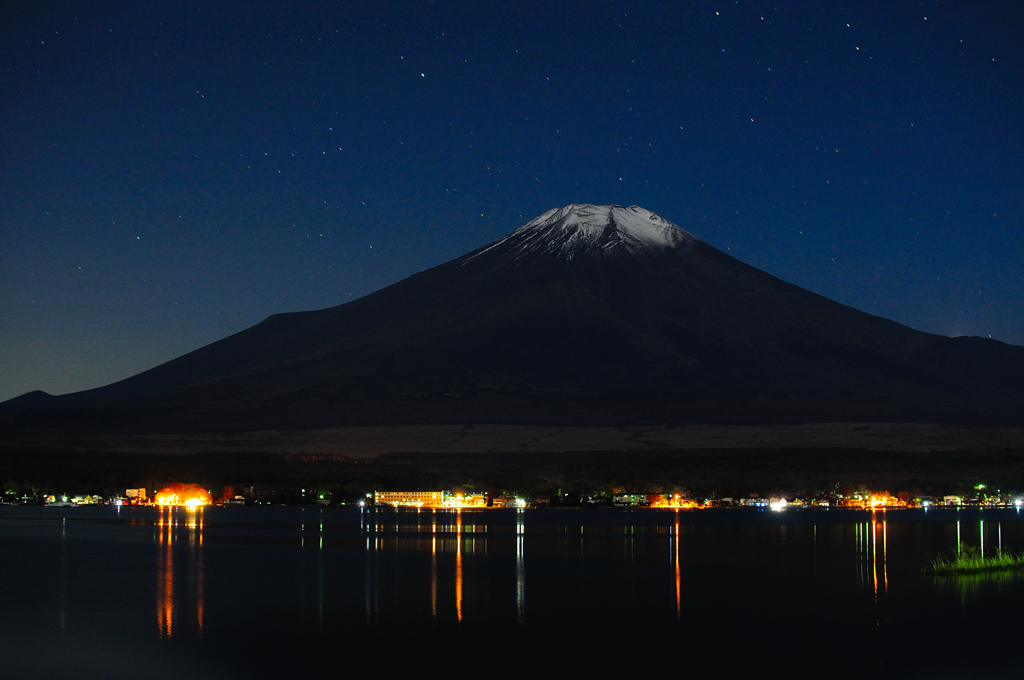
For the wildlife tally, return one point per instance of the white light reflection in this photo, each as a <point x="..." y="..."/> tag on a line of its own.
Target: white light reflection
<point x="320" y="571"/>
<point x="521" y="565"/>
<point x="367" y="574"/>
<point x="63" y="595"/>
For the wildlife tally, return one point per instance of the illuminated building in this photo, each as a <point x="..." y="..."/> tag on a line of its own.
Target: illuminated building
<point x="410" y="499"/>
<point x="477" y="500"/>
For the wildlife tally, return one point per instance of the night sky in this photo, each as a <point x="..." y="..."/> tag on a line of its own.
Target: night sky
<point x="172" y="173"/>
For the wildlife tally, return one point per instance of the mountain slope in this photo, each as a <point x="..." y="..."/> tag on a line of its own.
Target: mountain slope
<point x="587" y="305"/>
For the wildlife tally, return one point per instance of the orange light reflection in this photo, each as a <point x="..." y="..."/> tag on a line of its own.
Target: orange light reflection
<point x="874" y="556"/>
<point x="165" y="575"/>
<point x="885" y="568"/>
<point x="433" y="573"/>
<point x="458" y="566"/>
<point x="200" y="596"/>
<point x="679" y="605"/>
<point x="167" y="522"/>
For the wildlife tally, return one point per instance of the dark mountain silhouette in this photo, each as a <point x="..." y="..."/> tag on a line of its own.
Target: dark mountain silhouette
<point x="588" y="313"/>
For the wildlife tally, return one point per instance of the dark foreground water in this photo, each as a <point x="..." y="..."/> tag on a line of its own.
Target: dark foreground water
<point x="290" y="592"/>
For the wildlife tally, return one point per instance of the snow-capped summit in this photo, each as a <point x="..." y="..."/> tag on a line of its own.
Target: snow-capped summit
<point x="567" y="231"/>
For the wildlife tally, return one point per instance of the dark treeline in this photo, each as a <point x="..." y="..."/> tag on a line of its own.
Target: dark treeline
<point x="706" y="473"/>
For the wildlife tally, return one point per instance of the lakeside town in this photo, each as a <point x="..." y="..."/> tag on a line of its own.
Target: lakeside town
<point x="192" y="495"/>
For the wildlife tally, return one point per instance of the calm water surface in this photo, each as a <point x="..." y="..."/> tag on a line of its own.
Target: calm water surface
<point x="285" y="592"/>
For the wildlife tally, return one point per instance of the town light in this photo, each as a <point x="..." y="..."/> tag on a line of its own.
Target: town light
<point x="188" y="495"/>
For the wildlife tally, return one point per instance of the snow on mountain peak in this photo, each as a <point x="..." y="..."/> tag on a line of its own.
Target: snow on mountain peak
<point x="590" y="222"/>
<point x="580" y="226"/>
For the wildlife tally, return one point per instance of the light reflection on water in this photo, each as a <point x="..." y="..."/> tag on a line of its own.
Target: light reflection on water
<point x="171" y="523"/>
<point x="675" y="550"/>
<point x="463" y="538"/>
<point x="521" y="566"/>
<point x="433" y="571"/>
<point x="217" y="575"/>
<point x="62" y="588"/>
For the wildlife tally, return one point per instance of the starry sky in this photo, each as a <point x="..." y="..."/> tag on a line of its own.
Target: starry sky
<point x="172" y="173"/>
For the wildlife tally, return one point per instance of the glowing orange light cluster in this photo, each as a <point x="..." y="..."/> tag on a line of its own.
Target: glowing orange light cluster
<point x="885" y="501"/>
<point x="673" y="501"/>
<point x="872" y="501"/>
<point x="190" y="495"/>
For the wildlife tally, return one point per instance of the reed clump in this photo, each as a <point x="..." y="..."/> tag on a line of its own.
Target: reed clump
<point x="970" y="561"/>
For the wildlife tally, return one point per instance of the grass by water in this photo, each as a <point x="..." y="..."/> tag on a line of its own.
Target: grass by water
<point x="970" y="561"/>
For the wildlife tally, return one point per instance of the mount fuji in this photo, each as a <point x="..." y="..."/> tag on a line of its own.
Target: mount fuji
<point x="586" y="314"/>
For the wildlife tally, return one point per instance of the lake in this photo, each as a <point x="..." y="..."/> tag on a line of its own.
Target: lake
<point x="274" y="592"/>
